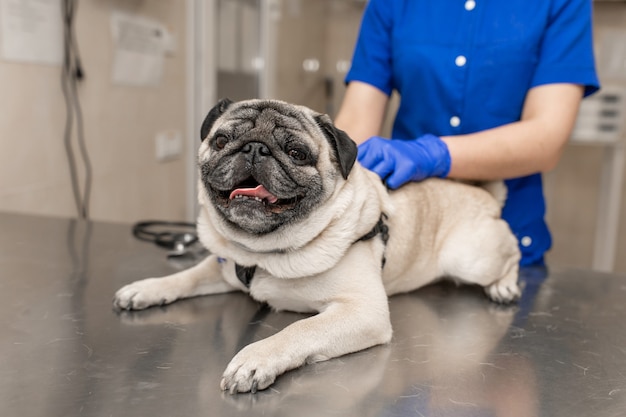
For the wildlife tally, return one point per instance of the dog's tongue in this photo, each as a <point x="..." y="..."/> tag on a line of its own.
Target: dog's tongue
<point x="258" y="192"/>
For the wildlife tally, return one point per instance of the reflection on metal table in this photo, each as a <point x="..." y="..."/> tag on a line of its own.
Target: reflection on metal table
<point x="65" y="352"/>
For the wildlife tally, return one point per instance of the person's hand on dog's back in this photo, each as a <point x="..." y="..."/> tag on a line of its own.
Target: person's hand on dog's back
<point x="399" y="161"/>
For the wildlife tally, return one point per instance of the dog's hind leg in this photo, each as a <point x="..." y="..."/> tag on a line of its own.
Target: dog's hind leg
<point x="202" y="279"/>
<point x="484" y="253"/>
<point x="506" y="289"/>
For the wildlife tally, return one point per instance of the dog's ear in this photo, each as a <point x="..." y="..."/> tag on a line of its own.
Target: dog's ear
<point x="344" y="147"/>
<point x="213" y="115"/>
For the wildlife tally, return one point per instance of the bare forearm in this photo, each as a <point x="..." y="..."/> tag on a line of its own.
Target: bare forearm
<point x="532" y="145"/>
<point x="362" y="111"/>
<point x="509" y="151"/>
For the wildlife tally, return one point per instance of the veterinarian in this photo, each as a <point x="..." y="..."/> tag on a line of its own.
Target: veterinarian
<point x="489" y="90"/>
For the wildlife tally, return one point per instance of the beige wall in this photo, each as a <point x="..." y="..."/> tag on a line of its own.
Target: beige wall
<point x="120" y="125"/>
<point x="323" y="30"/>
<point x="573" y="187"/>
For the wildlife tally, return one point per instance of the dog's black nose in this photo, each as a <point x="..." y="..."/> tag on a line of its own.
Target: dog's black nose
<point x="256" y="148"/>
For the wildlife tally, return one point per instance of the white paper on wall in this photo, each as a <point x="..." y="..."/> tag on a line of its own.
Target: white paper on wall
<point x="139" y="50"/>
<point x="31" y="31"/>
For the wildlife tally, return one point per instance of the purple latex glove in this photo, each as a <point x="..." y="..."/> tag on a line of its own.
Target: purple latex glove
<point x="399" y="161"/>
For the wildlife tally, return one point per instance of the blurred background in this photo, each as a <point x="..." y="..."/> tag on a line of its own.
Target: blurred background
<point x="101" y="103"/>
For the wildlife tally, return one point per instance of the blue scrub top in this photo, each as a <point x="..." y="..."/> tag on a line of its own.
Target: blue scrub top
<point x="462" y="66"/>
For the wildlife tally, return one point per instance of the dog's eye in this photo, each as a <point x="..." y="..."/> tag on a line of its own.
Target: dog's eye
<point x="220" y="142"/>
<point x="297" y="154"/>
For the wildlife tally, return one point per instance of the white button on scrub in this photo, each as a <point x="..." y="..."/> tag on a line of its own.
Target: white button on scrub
<point x="460" y="61"/>
<point x="455" y="121"/>
<point x="469" y="5"/>
<point x="526" y="241"/>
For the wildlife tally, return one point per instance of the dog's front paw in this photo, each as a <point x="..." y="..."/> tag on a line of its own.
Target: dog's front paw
<point x="143" y="294"/>
<point x="253" y="368"/>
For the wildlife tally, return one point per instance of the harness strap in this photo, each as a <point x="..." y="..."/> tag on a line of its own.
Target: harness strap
<point x="380" y="228"/>
<point x="245" y="274"/>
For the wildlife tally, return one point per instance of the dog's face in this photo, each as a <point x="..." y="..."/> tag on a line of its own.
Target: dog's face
<point x="266" y="163"/>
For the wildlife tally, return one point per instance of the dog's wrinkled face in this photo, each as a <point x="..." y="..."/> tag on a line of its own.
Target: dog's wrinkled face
<point x="265" y="163"/>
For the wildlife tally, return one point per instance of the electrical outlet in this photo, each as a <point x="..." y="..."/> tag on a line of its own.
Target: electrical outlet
<point x="169" y="145"/>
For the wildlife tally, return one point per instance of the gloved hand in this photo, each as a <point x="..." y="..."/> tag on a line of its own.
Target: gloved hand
<point x="399" y="161"/>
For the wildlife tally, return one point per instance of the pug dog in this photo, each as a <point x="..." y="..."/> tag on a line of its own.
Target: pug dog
<point x="292" y="219"/>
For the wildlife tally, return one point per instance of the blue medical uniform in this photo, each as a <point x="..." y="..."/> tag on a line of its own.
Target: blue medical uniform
<point x="462" y="66"/>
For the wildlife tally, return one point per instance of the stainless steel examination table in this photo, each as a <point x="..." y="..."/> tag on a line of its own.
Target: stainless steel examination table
<point x="64" y="351"/>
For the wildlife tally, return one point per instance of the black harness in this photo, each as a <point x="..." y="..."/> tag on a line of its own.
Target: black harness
<point x="246" y="273"/>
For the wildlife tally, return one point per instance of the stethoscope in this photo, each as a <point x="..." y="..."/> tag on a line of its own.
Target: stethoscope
<point x="177" y="237"/>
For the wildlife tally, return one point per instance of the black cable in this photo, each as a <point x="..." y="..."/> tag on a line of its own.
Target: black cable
<point x="78" y="70"/>
<point x="77" y="75"/>
<point x="69" y="118"/>
<point x="83" y="149"/>
<point x="72" y="72"/>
